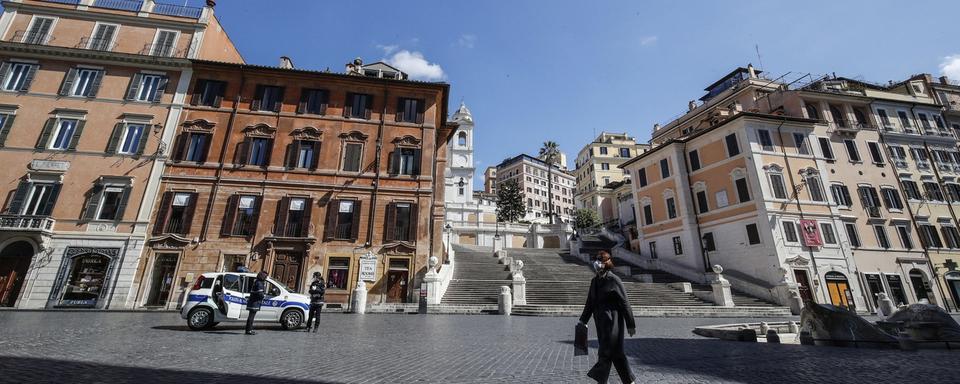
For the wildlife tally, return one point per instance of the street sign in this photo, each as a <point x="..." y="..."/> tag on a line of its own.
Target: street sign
<point x="368" y="267"/>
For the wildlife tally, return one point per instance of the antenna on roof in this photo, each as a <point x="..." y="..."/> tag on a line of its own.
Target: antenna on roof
<point x="759" y="60"/>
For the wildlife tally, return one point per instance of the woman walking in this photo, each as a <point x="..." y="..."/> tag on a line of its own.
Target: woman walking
<point x="607" y="303"/>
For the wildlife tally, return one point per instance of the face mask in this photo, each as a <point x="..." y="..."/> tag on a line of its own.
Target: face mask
<point x="597" y="266"/>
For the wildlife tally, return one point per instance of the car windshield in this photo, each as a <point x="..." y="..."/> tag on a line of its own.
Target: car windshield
<point x="277" y="283"/>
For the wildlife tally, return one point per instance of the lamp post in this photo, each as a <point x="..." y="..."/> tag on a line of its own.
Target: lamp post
<point x="448" y="229"/>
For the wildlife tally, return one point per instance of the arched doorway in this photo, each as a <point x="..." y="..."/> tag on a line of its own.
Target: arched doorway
<point x="14" y="262"/>
<point x="953" y="284"/>
<point x="921" y="285"/>
<point x="839" y="289"/>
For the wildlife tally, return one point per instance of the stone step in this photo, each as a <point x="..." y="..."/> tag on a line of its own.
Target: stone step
<point x="657" y="311"/>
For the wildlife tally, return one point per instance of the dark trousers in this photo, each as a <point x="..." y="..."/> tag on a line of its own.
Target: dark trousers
<point x="314" y="317"/>
<point x="253" y="314"/>
<point x="601" y="371"/>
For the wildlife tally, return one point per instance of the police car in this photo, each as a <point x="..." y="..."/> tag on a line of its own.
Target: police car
<point x="222" y="296"/>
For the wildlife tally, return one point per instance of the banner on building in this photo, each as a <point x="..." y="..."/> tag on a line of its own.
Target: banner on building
<point x="811" y="233"/>
<point x="368" y="267"/>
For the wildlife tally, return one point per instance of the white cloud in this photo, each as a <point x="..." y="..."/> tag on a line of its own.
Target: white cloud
<point x="467" y="40"/>
<point x="415" y="65"/>
<point x="388" y="49"/>
<point x="950" y="67"/>
<point x="648" y="40"/>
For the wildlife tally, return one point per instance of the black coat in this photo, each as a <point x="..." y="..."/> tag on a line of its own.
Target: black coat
<point x="257" y="293"/>
<point x="612" y="315"/>
<point x="317" y="289"/>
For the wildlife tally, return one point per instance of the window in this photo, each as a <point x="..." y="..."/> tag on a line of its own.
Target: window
<point x="259" y="153"/>
<point x="176" y="213"/>
<point x="939" y="122"/>
<point x="647" y="215"/>
<point x="930" y="237"/>
<point x="603" y="150"/>
<point x="406" y="161"/>
<point x="694" y="160"/>
<point x="904" y="120"/>
<point x="338" y="273"/>
<point x="800" y="140"/>
<point x="875" y="154"/>
<point x="304" y="154"/>
<point x="815" y="188"/>
<point x="868" y="197"/>
<point x="766" y="143"/>
<point x="358" y="106"/>
<point x="653" y="249"/>
<point x="851" y="229"/>
<point x="401" y="222"/>
<point x="192" y="146"/>
<point x="147" y="87"/>
<point x="671" y="208"/>
<point x="39" y="31"/>
<point x="777" y="185"/>
<point x="83" y="82"/>
<point x="828" y="236"/>
<point x="953" y="192"/>
<point x="733" y="148"/>
<point x="924" y="122"/>
<point x="882" y="239"/>
<point x="891" y="199"/>
<point x="904" y="234"/>
<point x="841" y="195"/>
<point x="352" y="154"/>
<point x="604" y="166"/>
<point x="241" y="215"/>
<point x="625" y="152"/>
<point x="103" y="36"/>
<point x="702" y="201"/>
<point x="293" y="217"/>
<point x="812" y="112"/>
<point x="790" y="232"/>
<point x="743" y="191"/>
<point x="708" y="243"/>
<point x="753" y="234"/>
<point x="313" y="101"/>
<point x="6" y="122"/>
<point x="911" y="190"/>
<point x="884" y="118"/>
<point x="267" y="98"/>
<point x="852" y="152"/>
<point x="950" y="236"/>
<point x="898" y="154"/>
<point x="17" y="76"/>
<point x="933" y="191"/>
<point x="410" y="110"/>
<point x="642" y="177"/>
<point x="343" y="220"/>
<point x="825" y="148"/>
<point x="677" y="246"/>
<point x="164" y="44"/>
<point x="132" y="140"/>
<point x="462" y="139"/>
<point x="34" y="199"/>
<point x="61" y="134"/>
<point x="838" y="116"/>
<point x="664" y="169"/>
<point x="208" y="93"/>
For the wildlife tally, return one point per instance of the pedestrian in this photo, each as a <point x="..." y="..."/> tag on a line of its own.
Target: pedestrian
<point x="317" y="288"/>
<point x="256" y="300"/>
<point x="607" y="303"/>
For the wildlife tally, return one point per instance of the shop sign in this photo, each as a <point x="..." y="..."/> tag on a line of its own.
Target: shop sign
<point x="368" y="267"/>
<point x="811" y="233"/>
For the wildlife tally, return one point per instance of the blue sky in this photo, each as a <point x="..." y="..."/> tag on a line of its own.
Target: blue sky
<point x="532" y="71"/>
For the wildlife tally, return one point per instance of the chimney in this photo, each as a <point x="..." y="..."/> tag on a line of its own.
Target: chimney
<point x="286" y="63"/>
<point x="692" y="105"/>
<point x="751" y="71"/>
<point x="944" y="80"/>
<point x="211" y="3"/>
<point x="353" y="68"/>
<point x="656" y="126"/>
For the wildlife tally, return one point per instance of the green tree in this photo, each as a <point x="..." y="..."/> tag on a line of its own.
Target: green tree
<point x="510" y="208"/>
<point x="550" y="152"/>
<point x="585" y="218"/>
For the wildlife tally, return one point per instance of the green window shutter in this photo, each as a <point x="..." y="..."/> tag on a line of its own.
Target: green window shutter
<point x="4" y="68"/>
<point x="124" y="198"/>
<point x="161" y="88"/>
<point x="31" y="73"/>
<point x="18" y="197"/>
<point x="45" y="133"/>
<point x="5" y="129"/>
<point x="76" y="135"/>
<point x="52" y="200"/>
<point x="90" y="212"/>
<point x="144" y="138"/>
<point x="134" y="88"/>
<point x="95" y="86"/>
<point x="115" y="138"/>
<point x="68" y="80"/>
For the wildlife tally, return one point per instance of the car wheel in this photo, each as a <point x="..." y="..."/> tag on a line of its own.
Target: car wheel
<point x="291" y="319"/>
<point x="200" y="318"/>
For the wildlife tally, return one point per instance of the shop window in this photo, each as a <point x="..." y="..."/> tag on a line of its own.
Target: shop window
<point x="86" y="281"/>
<point x="338" y="273"/>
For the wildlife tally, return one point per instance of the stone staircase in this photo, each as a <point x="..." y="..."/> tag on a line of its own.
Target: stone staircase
<point x="477" y="278"/>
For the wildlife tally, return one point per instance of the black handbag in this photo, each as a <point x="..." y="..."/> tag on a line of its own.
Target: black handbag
<point x="580" y="340"/>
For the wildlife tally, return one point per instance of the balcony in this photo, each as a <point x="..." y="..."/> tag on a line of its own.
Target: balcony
<point x="20" y="223"/>
<point x="120" y="5"/>
<point x="71" y="2"/>
<point x="177" y="10"/>
<point x="945" y="167"/>
<point x="95" y="44"/>
<point x="32" y="38"/>
<point x="850" y="126"/>
<point x="163" y="50"/>
<point x="900" y="163"/>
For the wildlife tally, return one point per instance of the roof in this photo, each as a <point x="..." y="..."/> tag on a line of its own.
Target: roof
<point x="316" y="72"/>
<point x="729" y="75"/>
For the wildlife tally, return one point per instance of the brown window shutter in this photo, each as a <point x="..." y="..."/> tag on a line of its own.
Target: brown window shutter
<point x="304" y="97"/>
<point x="278" y="103"/>
<point x="348" y="105"/>
<point x="390" y="220"/>
<point x="266" y="159"/>
<point x="400" y="110"/>
<point x="162" y="213"/>
<point x="257" y="99"/>
<point x="368" y="108"/>
<point x="188" y="214"/>
<point x="414" y="215"/>
<point x="242" y="153"/>
<point x="280" y="222"/>
<point x="316" y="155"/>
<point x="115" y="138"/>
<point x="307" y="215"/>
<point x="251" y="226"/>
<point x="417" y="153"/>
<point x="330" y="226"/>
<point x="356" y="220"/>
<point x="292" y="153"/>
<point x="230" y="215"/>
<point x="420" y="105"/>
<point x="194" y="100"/>
<point x="324" y="101"/>
<point x="180" y="147"/>
<point x="221" y="91"/>
<point x="93" y="202"/>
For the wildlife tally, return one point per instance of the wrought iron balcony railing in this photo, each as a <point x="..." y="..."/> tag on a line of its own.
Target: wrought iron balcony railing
<point x="164" y="50"/>
<point x="96" y="44"/>
<point x="177" y="10"/>
<point x="23" y="223"/>
<point x="34" y="38"/>
<point x="122" y="5"/>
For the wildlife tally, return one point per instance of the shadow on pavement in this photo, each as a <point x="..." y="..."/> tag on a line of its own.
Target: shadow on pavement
<point x="33" y="370"/>
<point x="240" y="327"/>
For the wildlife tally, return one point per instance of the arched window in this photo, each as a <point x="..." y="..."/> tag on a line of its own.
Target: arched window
<point x="812" y="112"/>
<point x="462" y="139"/>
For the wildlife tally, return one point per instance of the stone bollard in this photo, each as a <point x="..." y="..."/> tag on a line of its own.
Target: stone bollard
<point x="806" y="338"/>
<point x="504" y="302"/>
<point x="359" y="303"/>
<point x="772" y="336"/>
<point x="793" y="327"/>
<point x="722" y="295"/>
<point x="764" y="327"/>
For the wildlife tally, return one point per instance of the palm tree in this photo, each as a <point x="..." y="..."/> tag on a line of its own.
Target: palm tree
<point x="549" y="153"/>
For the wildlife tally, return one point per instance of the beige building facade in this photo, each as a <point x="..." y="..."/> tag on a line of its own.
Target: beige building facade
<point x="597" y="165"/>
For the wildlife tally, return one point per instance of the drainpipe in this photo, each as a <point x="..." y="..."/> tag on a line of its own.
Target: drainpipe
<point x="376" y="175"/>
<point x="223" y="153"/>
<point x="953" y="214"/>
<point x="696" y="213"/>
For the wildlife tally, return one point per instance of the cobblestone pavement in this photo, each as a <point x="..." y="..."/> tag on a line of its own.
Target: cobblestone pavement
<point x="96" y="347"/>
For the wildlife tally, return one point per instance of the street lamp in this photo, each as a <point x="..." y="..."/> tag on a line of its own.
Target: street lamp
<point x="448" y="229"/>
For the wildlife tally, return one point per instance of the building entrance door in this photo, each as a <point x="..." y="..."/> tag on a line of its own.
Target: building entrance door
<point x="875" y="286"/>
<point x="14" y="262"/>
<point x="896" y="290"/>
<point x="920" y="285"/>
<point x="162" y="281"/>
<point x="806" y="291"/>
<point x="838" y="287"/>
<point x="397" y="281"/>
<point x="287" y="267"/>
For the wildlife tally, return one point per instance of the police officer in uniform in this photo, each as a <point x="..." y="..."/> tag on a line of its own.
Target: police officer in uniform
<point x="257" y="292"/>
<point x="317" y="288"/>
